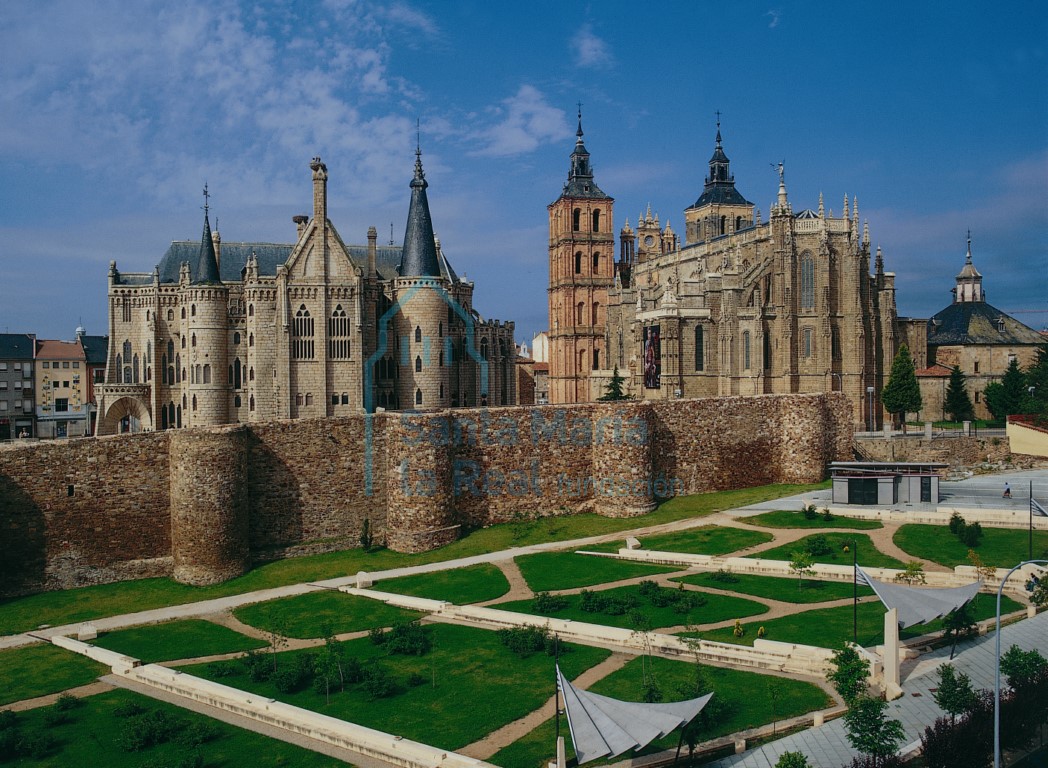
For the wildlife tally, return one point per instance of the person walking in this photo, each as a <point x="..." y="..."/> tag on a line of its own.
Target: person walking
<point x="1007" y="491"/>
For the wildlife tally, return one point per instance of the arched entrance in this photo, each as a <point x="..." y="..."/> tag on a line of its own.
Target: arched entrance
<point x="126" y="415"/>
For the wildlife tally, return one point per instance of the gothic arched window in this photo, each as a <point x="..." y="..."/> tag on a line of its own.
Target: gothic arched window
<point x="418" y="397"/>
<point x="596" y="221"/>
<point x="807" y="281"/>
<point x="746" y="350"/>
<point x="338" y="334"/>
<point x="576" y="218"/>
<point x="302" y="335"/>
<point x="418" y="364"/>
<point x="700" y="351"/>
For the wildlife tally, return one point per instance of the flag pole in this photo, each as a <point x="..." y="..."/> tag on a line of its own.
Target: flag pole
<point x="556" y="692"/>
<point x="1030" y="557"/>
<point x="855" y="592"/>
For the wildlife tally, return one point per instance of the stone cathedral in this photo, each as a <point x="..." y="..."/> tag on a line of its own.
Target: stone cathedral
<point x="740" y="307"/>
<point x="221" y="333"/>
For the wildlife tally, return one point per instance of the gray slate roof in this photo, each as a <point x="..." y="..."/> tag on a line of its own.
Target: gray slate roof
<point x="976" y="322"/>
<point x="96" y="349"/>
<point x="16" y="346"/>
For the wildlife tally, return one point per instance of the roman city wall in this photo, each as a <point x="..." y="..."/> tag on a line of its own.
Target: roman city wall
<point x="202" y="504"/>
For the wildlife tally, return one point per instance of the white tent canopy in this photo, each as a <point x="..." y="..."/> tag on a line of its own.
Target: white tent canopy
<point x="918" y="605"/>
<point x="601" y="726"/>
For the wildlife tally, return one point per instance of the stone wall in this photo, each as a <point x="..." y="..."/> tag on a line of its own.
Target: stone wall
<point x="201" y="504"/>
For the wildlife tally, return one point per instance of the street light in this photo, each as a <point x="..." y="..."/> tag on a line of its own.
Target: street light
<point x="869" y="394"/>
<point x="997" y="668"/>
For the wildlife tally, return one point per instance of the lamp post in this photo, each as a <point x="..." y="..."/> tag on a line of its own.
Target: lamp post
<point x="997" y="668"/>
<point x="869" y="395"/>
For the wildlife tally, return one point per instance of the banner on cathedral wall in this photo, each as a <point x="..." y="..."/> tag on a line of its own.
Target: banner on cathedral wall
<point x="652" y="357"/>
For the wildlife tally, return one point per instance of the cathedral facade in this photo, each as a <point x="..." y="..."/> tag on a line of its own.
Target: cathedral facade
<point x="222" y="333"/>
<point x="797" y="303"/>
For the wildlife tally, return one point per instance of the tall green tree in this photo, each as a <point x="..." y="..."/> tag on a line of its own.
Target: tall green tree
<point x="1007" y="396"/>
<point x="955" y="694"/>
<point x="958" y="405"/>
<point x="902" y="395"/>
<point x="849" y="673"/>
<point x="870" y="731"/>
<point x="1036" y="401"/>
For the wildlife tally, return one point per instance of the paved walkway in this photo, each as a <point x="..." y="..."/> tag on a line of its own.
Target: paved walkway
<point x="828" y="747"/>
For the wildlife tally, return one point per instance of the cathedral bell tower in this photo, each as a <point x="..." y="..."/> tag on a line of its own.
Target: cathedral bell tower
<point x="581" y="270"/>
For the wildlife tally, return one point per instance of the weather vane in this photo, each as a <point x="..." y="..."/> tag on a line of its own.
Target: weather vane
<point x="206" y="196"/>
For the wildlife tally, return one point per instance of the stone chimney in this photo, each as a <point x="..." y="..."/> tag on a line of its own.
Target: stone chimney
<point x="320" y="176"/>
<point x="300" y="224"/>
<point x="372" y="251"/>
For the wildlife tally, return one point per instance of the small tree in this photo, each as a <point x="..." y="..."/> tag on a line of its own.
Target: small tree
<point x="792" y="760"/>
<point x="912" y="574"/>
<point x="955" y="694"/>
<point x="1006" y="397"/>
<point x="614" y="390"/>
<point x="870" y="731"/>
<point x="902" y="394"/>
<point x="801" y="564"/>
<point x="849" y="673"/>
<point x="987" y="573"/>
<point x="366" y="539"/>
<point x="958" y="404"/>
<point x="957" y="624"/>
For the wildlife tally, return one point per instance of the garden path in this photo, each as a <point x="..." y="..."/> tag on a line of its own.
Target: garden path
<point x="518" y="587"/>
<point x="511" y="732"/>
<point x="882" y="539"/>
<point x="80" y="692"/>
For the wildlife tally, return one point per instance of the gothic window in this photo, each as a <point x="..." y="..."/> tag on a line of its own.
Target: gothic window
<point x="576" y="218"/>
<point x="484" y="352"/>
<point x="250" y="310"/>
<point x="302" y="335"/>
<point x="746" y="350"/>
<point x="251" y="403"/>
<point x="178" y="416"/>
<point x="345" y="398"/>
<point x="418" y="334"/>
<point x="835" y="342"/>
<point x="596" y="221"/>
<point x="194" y="403"/>
<point x="192" y="312"/>
<point x="183" y="406"/>
<point x="418" y="364"/>
<point x="596" y="359"/>
<point x="238" y="379"/>
<point x="163" y="417"/>
<point x="251" y="373"/>
<point x="596" y="313"/>
<point x="251" y="339"/>
<point x="237" y="402"/>
<point x="724" y="225"/>
<point x="149" y="351"/>
<point x="807" y="281"/>
<point x="699" y="348"/>
<point x="236" y="337"/>
<point x="596" y="263"/>
<point x="183" y="313"/>
<point x="440" y="330"/>
<point x="163" y="370"/>
<point x="194" y="340"/>
<point x="581" y="361"/>
<point x="738" y="223"/>
<point x="334" y="398"/>
<point x="207" y="373"/>
<point x="578" y="262"/>
<point x="441" y="391"/>
<point x="338" y="335"/>
<point x="126" y="301"/>
<point x="440" y="359"/>
<point x="183" y="342"/>
<point x="230" y="376"/>
<point x="178" y="367"/>
<point x="309" y="398"/>
<point x="807" y="350"/>
<point x="418" y="397"/>
<point x="127" y="350"/>
<point x="580" y="312"/>
<point x="621" y="351"/>
<point x="134" y="369"/>
<point x="170" y="315"/>
<point x="299" y="399"/>
<point x="767" y="350"/>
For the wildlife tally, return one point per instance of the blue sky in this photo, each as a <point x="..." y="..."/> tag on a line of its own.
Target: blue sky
<point x="115" y="114"/>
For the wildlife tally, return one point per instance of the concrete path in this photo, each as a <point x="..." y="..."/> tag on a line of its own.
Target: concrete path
<point x="828" y="747"/>
<point x="80" y="692"/>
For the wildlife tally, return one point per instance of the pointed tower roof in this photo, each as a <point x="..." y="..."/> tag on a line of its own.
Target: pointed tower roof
<point x="720" y="184"/>
<point x="419" y="257"/>
<point x="207" y="263"/>
<point x="580" y="176"/>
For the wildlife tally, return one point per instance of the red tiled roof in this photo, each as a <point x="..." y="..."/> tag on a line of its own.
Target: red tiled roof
<point x="542" y="366"/>
<point x="935" y="371"/>
<point x="46" y="349"/>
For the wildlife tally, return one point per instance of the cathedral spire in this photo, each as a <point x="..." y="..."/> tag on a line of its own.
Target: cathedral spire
<point x="580" y="175"/>
<point x="419" y="257"/>
<point x="207" y="262"/>
<point x="720" y="184"/>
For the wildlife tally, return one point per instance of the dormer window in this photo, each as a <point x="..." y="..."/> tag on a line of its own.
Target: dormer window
<point x="1000" y="325"/>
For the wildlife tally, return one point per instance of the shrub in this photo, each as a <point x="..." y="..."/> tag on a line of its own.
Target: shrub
<point x="544" y="602"/>
<point x="826" y="516"/>
<point x="197" y="733"/>
<point x="415" y="680"/>
<point x="66" y="702"/>
<point x="8" y="720"/>
<point x="792" y="760"/>
<point x="10" y="739"/>
<point x="142" y="731"/>
<point x="810" y="512"/>
<point x="378" y="683"/>
<point x="761" y="631"/>
<point x="956" y="523"/>
<point x="129" y="709"/>
<point x="258" y="665"/>
<point x="850" y="670"/>
<point x="53" y="716"/>
<point x="407" y="639"/>
<point x="818" y="545"/>
<point x="971" y="534"/>
<point x="724" y="576"/>
<point x="352" y="670"/>
<point x="218" y="669"/>
<point x="738" y="630"/>
<point x="377" y="635"/>
<point x="610" y="605"/>
<point x="37" y="744"/>
<point x="525" y="640"/>
<point x="292" y="675"/>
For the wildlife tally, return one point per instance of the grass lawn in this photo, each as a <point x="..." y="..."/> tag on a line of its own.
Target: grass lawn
<point x="549" y="571"/>
<point x="1002" y="547"/>
<point x="92" y="737"/>
<point x="716" y="608"/>
<point x="185" y="639"/>
<point x="869" y="555"/>
<point x="74" y="605"/>
<point x="472" y="584"/>
<point x="783" y="518"/>
<point x="305" y="615"/>
<point x="37" y="670"/>
<point x="473" y="672"/>
<point x="745" y="697"/>
<point x="704" y="540"/>
<point x="776" y="588"/>
<point x="830" y="627"/>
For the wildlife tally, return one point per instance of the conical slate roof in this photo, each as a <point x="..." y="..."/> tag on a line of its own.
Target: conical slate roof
<point x="720" y="184"/>
<point x="207" y="262"/>
<point x="420" y="251"/>
<point x="580" y="177"/>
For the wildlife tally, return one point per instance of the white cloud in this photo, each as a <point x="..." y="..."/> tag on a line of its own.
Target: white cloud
<point x="590" y="50"/>
<point x="775" y="15"/>
<point x="525" y="121"/>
